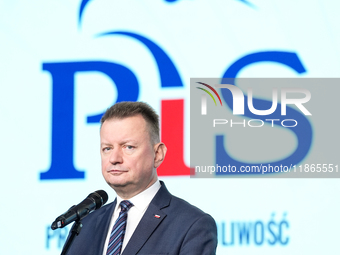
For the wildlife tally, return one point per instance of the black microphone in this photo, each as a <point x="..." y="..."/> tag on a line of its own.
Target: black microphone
<point x="93" y="202"/>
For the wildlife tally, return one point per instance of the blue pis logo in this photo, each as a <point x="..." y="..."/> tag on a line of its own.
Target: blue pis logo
<point x="63" y="86"/>
<point x="63" y="98"/>
<point x="234" y="99"/>
<point x="303" y="131"/>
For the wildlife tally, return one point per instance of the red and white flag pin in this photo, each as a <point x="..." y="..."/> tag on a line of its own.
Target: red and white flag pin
<point x="157" y="216"/>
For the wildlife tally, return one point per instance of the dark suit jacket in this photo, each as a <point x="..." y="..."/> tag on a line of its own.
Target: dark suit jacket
<point x="181" y="229"/>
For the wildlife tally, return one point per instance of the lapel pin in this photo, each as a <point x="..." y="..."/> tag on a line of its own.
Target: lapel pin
<point x="157" y="216"/>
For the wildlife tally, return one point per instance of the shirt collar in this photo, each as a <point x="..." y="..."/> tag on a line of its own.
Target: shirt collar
<point x="142" y="200"/>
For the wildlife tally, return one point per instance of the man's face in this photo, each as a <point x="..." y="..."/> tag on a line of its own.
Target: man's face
<point x="129" y="160"/>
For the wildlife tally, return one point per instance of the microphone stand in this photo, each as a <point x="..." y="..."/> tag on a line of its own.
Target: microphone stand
<point x="75" y="230"/>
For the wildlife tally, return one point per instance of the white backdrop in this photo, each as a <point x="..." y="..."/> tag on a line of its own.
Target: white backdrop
<point x="157" y="46"/>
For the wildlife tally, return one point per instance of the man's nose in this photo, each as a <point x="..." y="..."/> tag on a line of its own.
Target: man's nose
<point x="116" y="156"/>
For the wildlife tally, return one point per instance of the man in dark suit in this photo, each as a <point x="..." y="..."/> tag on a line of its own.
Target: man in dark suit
<point x="145" y="218"/>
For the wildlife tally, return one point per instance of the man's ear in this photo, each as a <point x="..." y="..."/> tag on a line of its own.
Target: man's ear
<point x="160" y="151"/>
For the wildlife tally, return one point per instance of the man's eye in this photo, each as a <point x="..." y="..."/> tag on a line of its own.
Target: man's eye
<point x="129" y="147"/>
<point x="106" y="149"/>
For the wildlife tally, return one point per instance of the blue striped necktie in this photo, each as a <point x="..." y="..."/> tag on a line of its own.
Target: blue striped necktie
<point x="118" y="230"/>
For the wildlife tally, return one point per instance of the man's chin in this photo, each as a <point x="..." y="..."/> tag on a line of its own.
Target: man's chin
<point x="117" y="184"/>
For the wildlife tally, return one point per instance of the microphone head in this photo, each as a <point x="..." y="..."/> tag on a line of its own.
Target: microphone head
<point x="54" y="225"/>
<point x="100" y="197"/>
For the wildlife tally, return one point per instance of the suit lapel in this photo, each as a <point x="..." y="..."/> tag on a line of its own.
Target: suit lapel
<point x="102" y="226"/>
<point x="149" y="222"/>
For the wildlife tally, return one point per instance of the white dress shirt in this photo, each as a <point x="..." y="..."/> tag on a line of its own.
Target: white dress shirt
<point x="140" y="203"/>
